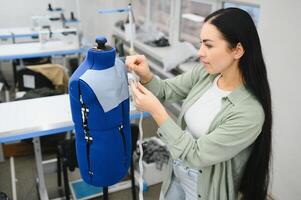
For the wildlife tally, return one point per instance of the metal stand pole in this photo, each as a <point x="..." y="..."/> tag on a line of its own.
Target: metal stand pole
<point x="105" y="193"/>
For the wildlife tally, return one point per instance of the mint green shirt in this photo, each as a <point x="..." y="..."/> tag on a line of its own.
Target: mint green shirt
<point x="221" y="155"/>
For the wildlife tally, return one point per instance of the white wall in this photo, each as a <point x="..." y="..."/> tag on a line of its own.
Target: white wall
<point x="280" y="32"/>
<point x="17" y="13"/>
<point x="94" y="23"/>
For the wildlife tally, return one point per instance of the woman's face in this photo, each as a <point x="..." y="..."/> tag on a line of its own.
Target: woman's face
<point x="214" y="51"/>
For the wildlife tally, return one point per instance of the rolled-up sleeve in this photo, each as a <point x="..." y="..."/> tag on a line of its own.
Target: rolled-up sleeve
<point x="236" y="133"/>
<point x="176" y="88"/>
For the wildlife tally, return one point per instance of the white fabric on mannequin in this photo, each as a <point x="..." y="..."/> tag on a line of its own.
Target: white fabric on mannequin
<point x="115" y="91"/>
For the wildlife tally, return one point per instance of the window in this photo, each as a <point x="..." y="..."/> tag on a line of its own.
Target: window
<point x="139" y="10"/>
<point x="193" y="13"/>
<point x="160" y="15"/>
<point x="252" y="9"/>
<point x="159" y="12"/>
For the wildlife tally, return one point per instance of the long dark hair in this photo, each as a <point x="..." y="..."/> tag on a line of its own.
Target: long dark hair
<point x="237" y="26"/>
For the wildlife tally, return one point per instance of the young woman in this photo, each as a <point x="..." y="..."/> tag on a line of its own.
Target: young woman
<point x="221" y="144"/>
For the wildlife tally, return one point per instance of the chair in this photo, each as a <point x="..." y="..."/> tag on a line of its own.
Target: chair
<point x="38" y="85"/>
<point x="28" y="79"/>
<point x="41" y="81"/>
<point x="52" y="76"/>
<point x="66" y="159"/>
<point x="3" y="87"/>
<point x="26" y="62"/>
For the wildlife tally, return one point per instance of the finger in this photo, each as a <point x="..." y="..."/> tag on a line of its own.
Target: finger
<point x="133" y="84"/>
<point x="133" y="87"/>
<point x="135" y="91"/>
<point x="130" y="83"/>
<point x="136" y="102"/>
<point x="142" y="88"/>
<point x="130" y="62"/>
<point x="127" y="61"/>
<point x="139" y="59"/>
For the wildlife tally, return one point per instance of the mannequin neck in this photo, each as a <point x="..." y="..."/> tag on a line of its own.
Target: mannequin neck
<point x="100" y="60"/>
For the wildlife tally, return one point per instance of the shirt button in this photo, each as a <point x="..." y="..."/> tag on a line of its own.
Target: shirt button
<point x="200" y="171"/>
<point x="199" y="196"/>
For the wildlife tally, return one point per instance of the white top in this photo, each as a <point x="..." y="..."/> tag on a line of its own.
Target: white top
<point x="200" y="115"/>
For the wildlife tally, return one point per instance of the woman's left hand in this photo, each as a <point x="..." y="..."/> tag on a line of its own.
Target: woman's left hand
<point x="145" y="101"/>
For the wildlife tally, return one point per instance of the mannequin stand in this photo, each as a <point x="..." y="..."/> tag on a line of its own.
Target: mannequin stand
<point x="105" y="193"/>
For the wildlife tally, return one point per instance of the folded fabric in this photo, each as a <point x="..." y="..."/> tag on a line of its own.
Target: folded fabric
<point x="54" y="72"/>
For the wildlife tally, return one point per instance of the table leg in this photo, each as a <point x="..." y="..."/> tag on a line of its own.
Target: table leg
<point x="65" y="63"/>
<point x="39" y="165"/>
<point x="13" y="178"/>
<point x="15" y="75"/>
<point x="1" y="153"/>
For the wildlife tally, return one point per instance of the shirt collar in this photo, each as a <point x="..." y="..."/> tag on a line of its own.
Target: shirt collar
<point x="237" y="95"/>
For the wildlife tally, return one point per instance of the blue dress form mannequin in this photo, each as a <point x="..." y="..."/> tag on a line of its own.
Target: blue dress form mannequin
<point x="99" y="102"/>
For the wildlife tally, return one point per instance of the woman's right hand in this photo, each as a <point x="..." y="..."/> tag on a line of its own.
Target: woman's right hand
<point x="138" y="64"/>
